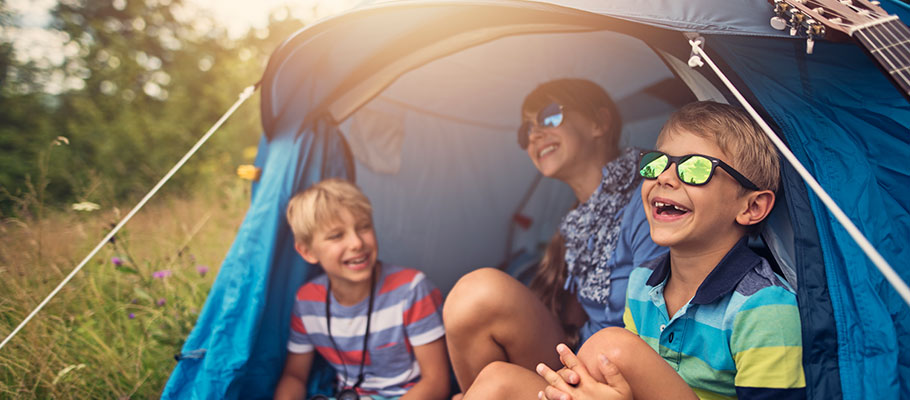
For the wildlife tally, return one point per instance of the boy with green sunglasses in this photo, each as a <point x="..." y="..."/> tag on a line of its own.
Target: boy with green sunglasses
<point x="710" y="319"/>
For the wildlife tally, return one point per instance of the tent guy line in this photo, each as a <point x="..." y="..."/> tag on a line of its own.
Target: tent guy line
<point x="244" y="96"/>
<point x="893" y="278"/>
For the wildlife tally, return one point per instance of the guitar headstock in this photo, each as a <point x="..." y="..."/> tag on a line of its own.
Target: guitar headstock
<point x="830" y="19"/>
<point x="885" y="38"/>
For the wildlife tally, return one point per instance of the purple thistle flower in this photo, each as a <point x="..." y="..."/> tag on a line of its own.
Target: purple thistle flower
<point x="117" y="261"/>
<point x="132" y="315"/>
<point x="161" y="301"/>
<point x="164" y="273"/>
<point x="202" y="269"/>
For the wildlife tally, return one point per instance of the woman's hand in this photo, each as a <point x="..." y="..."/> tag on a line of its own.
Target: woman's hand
<point x="575" y="383"/>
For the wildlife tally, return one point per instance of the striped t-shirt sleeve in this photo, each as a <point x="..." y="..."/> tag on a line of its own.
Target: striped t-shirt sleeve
<point x="422" y="314"/>
<point x="299" y="341"/>
<point x="766" y="343"/>
<point x="627" y="319"/>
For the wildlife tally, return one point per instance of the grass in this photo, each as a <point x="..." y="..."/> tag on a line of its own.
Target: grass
<point x="113" y="331"/>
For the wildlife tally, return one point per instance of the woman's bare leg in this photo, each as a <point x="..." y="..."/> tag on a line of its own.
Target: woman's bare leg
<point x="489" y="316"/>
<point x="648" y="374"/>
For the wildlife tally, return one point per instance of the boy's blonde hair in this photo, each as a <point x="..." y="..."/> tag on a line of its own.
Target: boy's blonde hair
<point x="321" y="203"/>
<point x="751" y="152"/>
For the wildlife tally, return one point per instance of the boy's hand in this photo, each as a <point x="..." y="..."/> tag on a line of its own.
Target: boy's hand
<point x="575" y="383"/>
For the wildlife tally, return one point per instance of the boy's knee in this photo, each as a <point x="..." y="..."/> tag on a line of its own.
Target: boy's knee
<point x="473" y="296"/>
<point x="619" y="346"/>
<point x="493" y="382"/>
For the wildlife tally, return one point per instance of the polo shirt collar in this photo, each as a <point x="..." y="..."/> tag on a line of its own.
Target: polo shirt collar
<point x="722" y="279"/>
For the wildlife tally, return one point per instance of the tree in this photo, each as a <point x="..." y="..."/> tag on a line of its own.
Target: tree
<point x="24" y="129"/>
<point x="141" y="81"/>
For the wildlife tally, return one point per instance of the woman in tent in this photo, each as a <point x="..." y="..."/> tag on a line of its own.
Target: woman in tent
<point x="496" y="328"/>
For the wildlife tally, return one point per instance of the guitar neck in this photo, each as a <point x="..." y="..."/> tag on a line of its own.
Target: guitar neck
<point x="889" y="44"/>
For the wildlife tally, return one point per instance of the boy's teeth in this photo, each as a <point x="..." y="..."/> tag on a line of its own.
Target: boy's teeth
<point x="662" y="204"/>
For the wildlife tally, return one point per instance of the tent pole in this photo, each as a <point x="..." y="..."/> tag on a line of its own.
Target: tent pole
<point x="893" y="278"/>
<point x="246" y="94"/>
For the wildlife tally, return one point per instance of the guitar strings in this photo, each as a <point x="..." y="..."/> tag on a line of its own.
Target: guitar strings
<point x="881" y="51"/>
<point x="871" y="40"/>
<point x="897" y="50"/>
<point x="891" y="31"/>
<point x="896" y="47"/>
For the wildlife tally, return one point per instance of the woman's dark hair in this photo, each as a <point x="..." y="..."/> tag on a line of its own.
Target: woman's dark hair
<point x="548" y="283"/>
<point x="579" y="95"/>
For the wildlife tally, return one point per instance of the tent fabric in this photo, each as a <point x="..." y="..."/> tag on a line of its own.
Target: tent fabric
<point x="244" y="324"/>
<point x="442" y="81"/>
<point x="853" y="139"/>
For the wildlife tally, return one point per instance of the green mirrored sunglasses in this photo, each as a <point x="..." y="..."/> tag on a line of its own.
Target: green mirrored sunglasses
<point x="692" y="169"/>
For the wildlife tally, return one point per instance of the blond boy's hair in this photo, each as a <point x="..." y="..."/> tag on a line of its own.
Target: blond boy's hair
<point x="751" y="152"/>
<point x="322" y="203"/>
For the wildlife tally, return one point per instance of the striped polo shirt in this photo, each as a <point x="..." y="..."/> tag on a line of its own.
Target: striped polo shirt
<point x="407" y="312"/>
<point x="738" y="337"/>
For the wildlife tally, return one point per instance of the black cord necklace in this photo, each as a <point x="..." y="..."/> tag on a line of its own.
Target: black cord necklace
<point x="347" y="393"/>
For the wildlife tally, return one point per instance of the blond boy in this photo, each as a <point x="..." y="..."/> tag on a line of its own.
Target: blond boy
<point x="378" y="325"/>
<point x="710" y="319"/>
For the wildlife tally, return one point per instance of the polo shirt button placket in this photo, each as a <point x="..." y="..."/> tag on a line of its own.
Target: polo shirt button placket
<point x="662" y="327"/>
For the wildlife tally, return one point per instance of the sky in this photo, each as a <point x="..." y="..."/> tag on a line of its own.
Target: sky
<point x="47" y="48"/>
<point x="33" y="42"/>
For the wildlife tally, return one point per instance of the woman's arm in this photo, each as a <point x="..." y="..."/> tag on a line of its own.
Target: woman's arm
<point x="292" y="385"/>
<point x="434" y="372"/>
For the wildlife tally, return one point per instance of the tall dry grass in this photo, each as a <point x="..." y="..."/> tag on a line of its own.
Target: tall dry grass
<point x="113" y="331"/>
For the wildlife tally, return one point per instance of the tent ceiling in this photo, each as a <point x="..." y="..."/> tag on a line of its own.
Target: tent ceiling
<point x="339" y="65"/>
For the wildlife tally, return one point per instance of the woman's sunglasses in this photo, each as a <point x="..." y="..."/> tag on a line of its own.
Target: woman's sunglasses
<point x="692" y="169"/>
<point x="550" y="116"/>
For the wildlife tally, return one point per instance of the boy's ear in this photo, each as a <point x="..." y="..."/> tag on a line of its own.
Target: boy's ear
<point x="758" y="207"/>
<point x="306" y="253"/>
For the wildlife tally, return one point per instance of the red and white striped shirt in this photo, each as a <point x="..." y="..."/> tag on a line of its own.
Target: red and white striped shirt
<point x="407" y="312"/>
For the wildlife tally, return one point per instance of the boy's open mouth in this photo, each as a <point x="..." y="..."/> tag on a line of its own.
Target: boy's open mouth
<point x="668" y="209"/>
<point x="356" y="261"/>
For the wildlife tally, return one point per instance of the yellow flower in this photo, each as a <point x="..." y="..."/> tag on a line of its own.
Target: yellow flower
<point x="249" y="172"/>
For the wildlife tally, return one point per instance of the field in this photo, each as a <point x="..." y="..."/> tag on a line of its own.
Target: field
<point x="113" y="331"/>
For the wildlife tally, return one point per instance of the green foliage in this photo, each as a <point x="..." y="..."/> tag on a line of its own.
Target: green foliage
<point x="139" y="88"/>
<point x="113" y="331"/>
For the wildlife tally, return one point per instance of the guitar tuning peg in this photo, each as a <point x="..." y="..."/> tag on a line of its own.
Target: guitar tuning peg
<point x="810" y="45"/>
<point x="778" y="23"/>
<point x="795" y="21"/>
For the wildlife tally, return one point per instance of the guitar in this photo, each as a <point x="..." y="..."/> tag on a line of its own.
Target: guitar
<point x="884" y="37"/>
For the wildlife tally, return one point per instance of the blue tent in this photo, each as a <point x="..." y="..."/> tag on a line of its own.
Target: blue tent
<point x="418" y="102"/>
